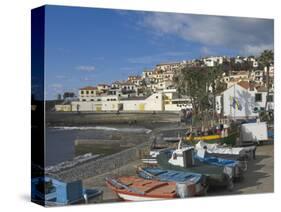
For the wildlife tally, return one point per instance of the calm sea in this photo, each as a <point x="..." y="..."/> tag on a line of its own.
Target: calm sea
<point x="60" y="140"/>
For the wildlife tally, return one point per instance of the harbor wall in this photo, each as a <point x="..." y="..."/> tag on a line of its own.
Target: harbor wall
<point x="103" y="165"/>
<point x="84" y="119"/>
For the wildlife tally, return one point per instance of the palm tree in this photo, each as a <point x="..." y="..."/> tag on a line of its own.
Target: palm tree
<point x="266" y="59"/>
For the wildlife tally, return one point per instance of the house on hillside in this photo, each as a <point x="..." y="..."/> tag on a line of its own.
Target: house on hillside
<point x="243" y="100"/>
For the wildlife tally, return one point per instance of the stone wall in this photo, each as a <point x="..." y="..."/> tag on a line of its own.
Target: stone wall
<point x="103" y="165"/>
<point x="86" y="119"/>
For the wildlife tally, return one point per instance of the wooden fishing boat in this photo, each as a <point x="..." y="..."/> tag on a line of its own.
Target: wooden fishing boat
<point x="49" y="191"/>
<point x="219" y="172"/>
<point x="215" y="175"/>
<point x="227" y="152"/>
<point x="216" y="138"/>
<point x="210" y="139"/>
<point x="151" y="159"/>
<point x="205" y="137"/>
<point x="196" y="183"/>
<point x="138" y="189"/>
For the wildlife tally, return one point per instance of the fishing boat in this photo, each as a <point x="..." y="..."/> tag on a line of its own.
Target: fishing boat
<point x="233" y="168"/>
<point x="151" y="159"/>
<point x="222" y="151"/>
<point x="210" y="139"/>
<point x="219" y="172"/>
<point x="196" y="183"/>
<point x="215" y="138"/>
<point x="222" y="134"/>
<point x="137" y="189"/>
<point x="49" y="191"/>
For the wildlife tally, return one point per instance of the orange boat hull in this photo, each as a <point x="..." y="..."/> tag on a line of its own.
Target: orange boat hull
<point x="138" y="189"/>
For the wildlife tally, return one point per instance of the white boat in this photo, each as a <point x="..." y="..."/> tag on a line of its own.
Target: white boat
<point x="153" y="155"/>
<point x="222" y="150"/>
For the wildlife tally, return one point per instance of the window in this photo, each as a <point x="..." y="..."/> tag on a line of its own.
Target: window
<point x="92" y="100"/>
<point x="258" y="97"/>
<point x="156" y="97"/>
<point x="92" y="92"/>
<point x="87" y="92"/>
<point x="84" y="100"/>
<point x="270" y="98"/>
<point x="82" y="92"/>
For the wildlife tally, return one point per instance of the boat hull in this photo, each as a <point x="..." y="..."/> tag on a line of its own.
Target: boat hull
<point x="211" y="139"/>
<point x="226" y="152"/>
<point x="130" y="197"/>
<point x="215" y="176"/>
<point x="195" y="183"/>
<point x="205" y="138"/>
<point x="138" y="189"/>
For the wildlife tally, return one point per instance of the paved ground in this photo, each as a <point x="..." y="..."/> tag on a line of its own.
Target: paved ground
<point x="259" y="177"/>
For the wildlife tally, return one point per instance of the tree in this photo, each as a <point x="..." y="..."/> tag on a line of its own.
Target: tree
<point x="266" y="59"/>
<point x="59" y="97"/>
<point x="201" y="84"/>
<point x="68" y="95"/>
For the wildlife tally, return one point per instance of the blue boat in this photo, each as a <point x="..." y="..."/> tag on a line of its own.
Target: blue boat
<point x="196" y="181"/>
<point x="169" y="175"/>
<point x="221" y="162"/>
<point x="49" y="191"/>
<point x="219" y="172"/>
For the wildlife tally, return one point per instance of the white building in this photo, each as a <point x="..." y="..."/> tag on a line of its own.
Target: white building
<point x="168" y="66"/>
<point x="87" y="93"/>
<point x="147" y="73"/>
<point x="213" y="61"/>
<point x="257" y="76"/>
<point x="163" y="85"/>
<point x="137" y="80"/>
<point x="103" y="88"/>
<point x="243" y="100"/>
<point x="172" y="102"/>
<point x="111" y="103"/>
<point x="271" y="70"/>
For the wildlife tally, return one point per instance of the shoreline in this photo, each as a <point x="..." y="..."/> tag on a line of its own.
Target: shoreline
<point x="147" y="120"/>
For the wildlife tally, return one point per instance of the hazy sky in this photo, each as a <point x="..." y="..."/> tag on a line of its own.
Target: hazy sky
<point x="87" y="46"/>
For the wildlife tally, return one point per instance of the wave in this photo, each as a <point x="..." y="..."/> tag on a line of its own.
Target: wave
<point x="136" y="130"/>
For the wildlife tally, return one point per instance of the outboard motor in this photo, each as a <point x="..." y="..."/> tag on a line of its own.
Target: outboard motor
<point x="185" y="189"/>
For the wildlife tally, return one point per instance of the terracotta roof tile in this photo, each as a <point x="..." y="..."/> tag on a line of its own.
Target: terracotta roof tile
<point x="244" y="84"/>
<point x="261" y="89"/>
<point x="88" y="88"/>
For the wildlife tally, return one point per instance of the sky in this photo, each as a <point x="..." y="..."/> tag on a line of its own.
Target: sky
<point x="90" y="46"/>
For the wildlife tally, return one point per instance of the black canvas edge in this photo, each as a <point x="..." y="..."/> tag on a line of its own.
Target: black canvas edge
<point x="37" y="95"/>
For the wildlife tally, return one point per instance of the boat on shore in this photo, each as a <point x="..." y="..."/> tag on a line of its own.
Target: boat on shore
<point x="210" y="139"/>
<point x="153" y="153"/>
<point x="215" y="175"/>
<point x="219" y="172"/>
<point x="223" y="151"/>
<point x="49" y="191"/>
<point x="196" y="183"/>
<point x="137" y="189"/>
